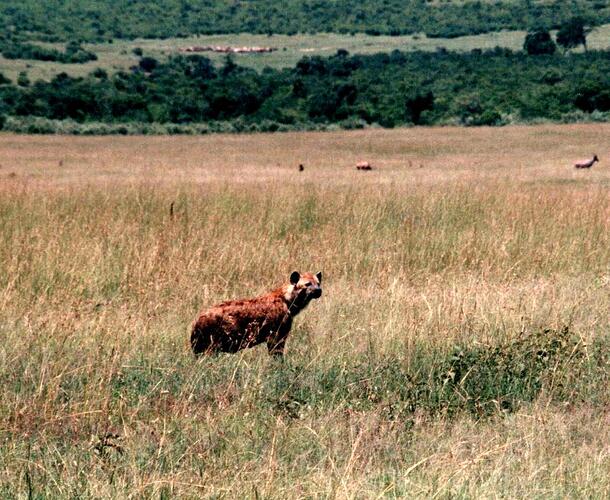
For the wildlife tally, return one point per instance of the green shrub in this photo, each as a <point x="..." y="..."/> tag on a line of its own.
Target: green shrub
<point x="539" y="42"/>
<point x="476" y="379"/>
<point x="74" y="53"/>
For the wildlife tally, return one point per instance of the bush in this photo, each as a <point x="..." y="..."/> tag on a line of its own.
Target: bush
<point x="100" y="73"/>
<point x="481" y="380"/>
<point x="23" y="80"/>
<point x="539" y="42"/>
<point x="74" y="53"/>
<point x="148" y="64"/>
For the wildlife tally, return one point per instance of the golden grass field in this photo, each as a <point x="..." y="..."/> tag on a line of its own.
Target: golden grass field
<point x="460" y="239"/>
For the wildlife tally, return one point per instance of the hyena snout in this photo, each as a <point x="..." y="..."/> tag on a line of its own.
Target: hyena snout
<point x="316" y="293"/>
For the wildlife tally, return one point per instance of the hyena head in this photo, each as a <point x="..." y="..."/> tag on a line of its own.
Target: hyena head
<point x="302" y="289"/>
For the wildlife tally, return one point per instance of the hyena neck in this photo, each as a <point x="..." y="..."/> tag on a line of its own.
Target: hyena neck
<point x="294" y="305"/>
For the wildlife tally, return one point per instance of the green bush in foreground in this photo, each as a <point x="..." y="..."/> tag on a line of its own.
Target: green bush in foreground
<point x="477" y="379"/>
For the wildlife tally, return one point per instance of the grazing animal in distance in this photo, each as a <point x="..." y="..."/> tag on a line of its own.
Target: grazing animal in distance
<point x="238" y="324"/>
<point x="364" y="165"/>
<point x="301" y="167"/>
<point x="586" y="163"/>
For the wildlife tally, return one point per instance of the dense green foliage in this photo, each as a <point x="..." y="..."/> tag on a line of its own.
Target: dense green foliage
<point x="74" y="53"/>
<point x="58" y="20"/>
<point x="573" y="33"/>
<point x="539" y="42"/>
<point x="479" y="88"/>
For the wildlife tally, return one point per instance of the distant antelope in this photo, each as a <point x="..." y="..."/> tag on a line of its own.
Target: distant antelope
<point x="364" y="165"/>
<point x="586" y="163"/>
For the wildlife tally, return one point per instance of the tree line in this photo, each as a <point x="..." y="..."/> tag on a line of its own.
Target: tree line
<point x="74" y="53"/>
<point x="90" y="20"/>
<point x="389" y="89"/>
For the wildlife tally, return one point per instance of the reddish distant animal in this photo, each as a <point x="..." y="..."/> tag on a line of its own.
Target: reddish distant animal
<point x="586" y="163"/>
<point x="364" y="165"/>
<point x="239" y="324"/>
<point x="301" y="167"/>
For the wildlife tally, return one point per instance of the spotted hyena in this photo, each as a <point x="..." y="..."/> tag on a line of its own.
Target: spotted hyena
<point x="238" y="324"/>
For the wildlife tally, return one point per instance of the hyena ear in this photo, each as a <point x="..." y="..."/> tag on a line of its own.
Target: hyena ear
<point x="319" y="277"/>
<point x="295" y="277"/>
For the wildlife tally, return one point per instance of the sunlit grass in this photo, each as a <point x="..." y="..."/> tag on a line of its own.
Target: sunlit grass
<point x="437" y="361"/>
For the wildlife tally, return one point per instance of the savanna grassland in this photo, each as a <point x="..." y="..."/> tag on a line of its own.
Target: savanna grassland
<point x="119" y="55"/>
<point x="460" y="348"/>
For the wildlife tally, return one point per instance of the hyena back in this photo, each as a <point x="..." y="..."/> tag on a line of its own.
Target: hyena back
<point x="239" y="324"/>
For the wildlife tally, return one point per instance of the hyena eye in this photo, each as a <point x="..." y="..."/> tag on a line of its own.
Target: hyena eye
<point x="307" y="284"/>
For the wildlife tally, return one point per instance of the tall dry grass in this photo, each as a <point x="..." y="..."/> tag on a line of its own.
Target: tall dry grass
<point x="456" y="254"/>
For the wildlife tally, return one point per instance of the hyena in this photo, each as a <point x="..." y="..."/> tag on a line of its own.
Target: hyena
<point x="239" y="324"/>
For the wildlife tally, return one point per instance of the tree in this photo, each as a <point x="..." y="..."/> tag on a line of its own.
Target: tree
<point x="573" y="33"/>
<point x="417" y="104"/>
<point x="148" y="64"/>
<point x="539" y="42"/>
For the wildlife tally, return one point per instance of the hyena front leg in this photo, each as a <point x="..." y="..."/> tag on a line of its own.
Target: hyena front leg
<point x="200" y="344"/>
<point x="277" y="341"/>
<point x="204" y="341"/>
<point x="276" y="346"/>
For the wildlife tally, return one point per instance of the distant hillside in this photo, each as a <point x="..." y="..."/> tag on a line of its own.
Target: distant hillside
<point x="490" y="87"/>
<point x="96" y="20"/>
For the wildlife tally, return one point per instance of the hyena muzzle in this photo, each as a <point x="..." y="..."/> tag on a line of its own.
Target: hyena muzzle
<point x="239" y="324"/>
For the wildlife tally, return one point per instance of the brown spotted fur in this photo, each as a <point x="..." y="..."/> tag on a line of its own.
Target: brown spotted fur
<point x="238" y="324"/>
